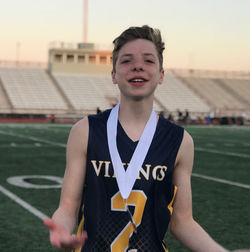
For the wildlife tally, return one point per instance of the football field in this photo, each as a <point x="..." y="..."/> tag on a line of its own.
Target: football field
<point x="32" y="163"/>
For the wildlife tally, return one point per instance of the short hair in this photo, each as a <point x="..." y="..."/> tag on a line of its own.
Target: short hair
<point x="133" y="33"/>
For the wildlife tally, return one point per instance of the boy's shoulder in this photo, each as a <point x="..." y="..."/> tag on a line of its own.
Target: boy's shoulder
<point x="102" y="116"/>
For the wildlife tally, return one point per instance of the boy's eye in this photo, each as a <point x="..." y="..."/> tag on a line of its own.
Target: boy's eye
<point x="149" y="61"/>
<point x="124" y="61"/>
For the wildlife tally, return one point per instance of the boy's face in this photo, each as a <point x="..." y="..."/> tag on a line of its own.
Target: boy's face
<point x="137" y="71"/>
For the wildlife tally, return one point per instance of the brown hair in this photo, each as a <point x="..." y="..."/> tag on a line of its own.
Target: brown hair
<point x="144" y="32"/>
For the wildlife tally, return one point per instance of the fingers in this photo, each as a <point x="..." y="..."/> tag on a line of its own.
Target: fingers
<point x="49" y="223"/>
<point x="74" y="241"/>
<point x="81" y="238"/>
<point x="52" y="225"/>
<point x="60" y="238"/>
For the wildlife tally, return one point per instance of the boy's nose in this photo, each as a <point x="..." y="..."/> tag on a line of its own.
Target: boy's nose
<point x="138" y="66"/>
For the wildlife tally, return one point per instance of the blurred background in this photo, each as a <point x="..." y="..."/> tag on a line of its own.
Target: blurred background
<point x="55" y="58"/>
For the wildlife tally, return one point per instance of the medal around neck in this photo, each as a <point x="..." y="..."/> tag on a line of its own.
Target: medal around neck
<point x="126" y="179"/>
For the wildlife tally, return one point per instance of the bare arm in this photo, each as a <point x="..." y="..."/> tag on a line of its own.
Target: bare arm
<point x="182" y="224"/>
<point x="64" y="219"/>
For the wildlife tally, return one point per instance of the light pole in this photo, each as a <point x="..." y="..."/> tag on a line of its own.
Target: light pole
<point x="85" y="21"/>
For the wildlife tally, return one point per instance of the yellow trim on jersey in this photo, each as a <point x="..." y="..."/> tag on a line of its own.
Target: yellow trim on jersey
<point x="79" y="230"/>
<point x="170" y="206"/>
<point x="164" y="247"/>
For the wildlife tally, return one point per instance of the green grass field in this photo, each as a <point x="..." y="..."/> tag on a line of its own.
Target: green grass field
<point x="221" y="199"/>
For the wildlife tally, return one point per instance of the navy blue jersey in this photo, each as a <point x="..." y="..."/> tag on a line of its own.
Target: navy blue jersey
<point x="104" y="212"/>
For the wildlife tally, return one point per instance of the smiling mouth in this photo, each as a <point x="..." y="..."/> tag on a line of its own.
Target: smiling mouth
<point x="137" y="81"/>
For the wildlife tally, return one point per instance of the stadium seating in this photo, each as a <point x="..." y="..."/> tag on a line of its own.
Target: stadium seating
<point x="240" y="88"/>
<point x="29" y="88"/>
<point x="87" y="92"/>
<point x="215" y="95"/>
<point x="33" y="90"/>
<point x="174" y="95"/>
<point x="5" y="105"/>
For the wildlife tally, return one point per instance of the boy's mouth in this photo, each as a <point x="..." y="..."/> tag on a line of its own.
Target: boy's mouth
<point x="137" y="80"/>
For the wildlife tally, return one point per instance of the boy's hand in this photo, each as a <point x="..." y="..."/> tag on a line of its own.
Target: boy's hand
<point x="62" y="239"/>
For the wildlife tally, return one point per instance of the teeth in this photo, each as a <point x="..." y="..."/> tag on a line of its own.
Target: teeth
<point x="137" y="80"/>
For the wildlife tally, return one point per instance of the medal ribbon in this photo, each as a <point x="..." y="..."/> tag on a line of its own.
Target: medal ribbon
<point x="126" y="179"/>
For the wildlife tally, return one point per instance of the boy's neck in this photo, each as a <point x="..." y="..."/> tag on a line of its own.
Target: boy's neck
<point x="133" y="117"/>
<point x="136" y="111"/>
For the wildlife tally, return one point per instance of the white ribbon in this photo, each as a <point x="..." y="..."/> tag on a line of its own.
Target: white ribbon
<point x="126" y="179"/>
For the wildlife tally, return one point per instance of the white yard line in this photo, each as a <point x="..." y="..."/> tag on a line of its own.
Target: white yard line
<point x="12" y="196"/>
<point x="223" y="181"/>
<point x="33" y="138"/>
<point x="22" y="203"/>
<point x="220" y="127"/>
<point x="227" y="153"/>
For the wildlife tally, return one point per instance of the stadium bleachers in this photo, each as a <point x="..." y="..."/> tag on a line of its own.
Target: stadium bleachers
<point x="86" y="92"/>
<point x="5" y="105"/>
<point x="214" y="93"/>
<point x="174" y="95"/>
<point x="34" y="91"/>
<point x="240" y="88"/>
<point x="31" y="89"/>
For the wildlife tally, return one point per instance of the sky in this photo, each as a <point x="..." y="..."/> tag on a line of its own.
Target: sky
<point x="199" y="34"/>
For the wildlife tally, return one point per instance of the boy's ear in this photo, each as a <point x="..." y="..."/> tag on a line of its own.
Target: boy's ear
<point x="162" y="73"/>
<point x="113" y="77"/>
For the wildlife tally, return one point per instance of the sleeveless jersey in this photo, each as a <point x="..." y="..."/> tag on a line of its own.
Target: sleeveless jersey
<point x="104" y="214"/>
